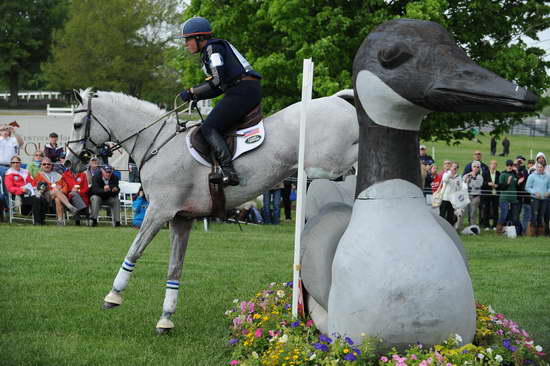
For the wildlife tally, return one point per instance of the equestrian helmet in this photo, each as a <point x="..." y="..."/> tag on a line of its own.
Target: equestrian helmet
<point x="196" y="26"/>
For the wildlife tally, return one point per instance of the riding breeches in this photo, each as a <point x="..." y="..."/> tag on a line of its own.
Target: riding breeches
<point x="236" y="103"/>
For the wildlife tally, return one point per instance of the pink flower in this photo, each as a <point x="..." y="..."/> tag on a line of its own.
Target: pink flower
<point x="499" y="332"/>
<point x="449" y="364"/>
<point x="413" y="357"/>
<point x="500" y="316"/>
<point x="234" y="362"/>
<point x="309" y="323"/>
<point x="438" y="356"/>
<point x="243" y="307"/>
<point x="258" y="333"/>
<point x="524" y="333"/>
<point x="237" y="321"/>
<point x="430" y="360"/>
<point x="384" y="359"/>
<point x="423" y="363"/>
<point x="251" y="307"/>
<point x="245" y="331"/>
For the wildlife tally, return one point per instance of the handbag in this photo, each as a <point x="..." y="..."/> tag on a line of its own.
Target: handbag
<point x="460" y="199"/>
<point x="437" y="196"/>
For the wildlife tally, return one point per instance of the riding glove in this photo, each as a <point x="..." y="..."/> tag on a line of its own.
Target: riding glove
<point x="186" y="95"/>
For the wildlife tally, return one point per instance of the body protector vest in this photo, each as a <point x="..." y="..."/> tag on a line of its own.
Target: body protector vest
<point x="224" y="66"/>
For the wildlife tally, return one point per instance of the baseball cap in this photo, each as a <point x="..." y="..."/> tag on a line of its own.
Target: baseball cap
<point x="509" y="162"/>
<point x="423" y="147"/>
<point x="108" y="168"/>
<point x="53" y="134"/>
<point x="520" y="157"/>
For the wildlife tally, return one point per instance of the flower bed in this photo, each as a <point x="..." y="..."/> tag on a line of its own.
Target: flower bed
<point x="263" y="332"/>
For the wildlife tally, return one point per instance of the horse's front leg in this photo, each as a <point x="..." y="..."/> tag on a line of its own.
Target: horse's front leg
<point x="151" y="225"/>
<point x="180" y="229"/>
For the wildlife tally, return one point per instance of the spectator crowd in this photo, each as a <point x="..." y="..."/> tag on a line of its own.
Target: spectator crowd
<point x="483" y="196"/>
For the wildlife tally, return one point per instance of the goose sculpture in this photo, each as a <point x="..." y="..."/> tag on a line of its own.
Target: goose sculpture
<point x="385" y="266"/>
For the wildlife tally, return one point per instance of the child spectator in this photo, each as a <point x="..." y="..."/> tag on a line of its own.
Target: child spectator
<point x="52" y="150"/>
<point x="139" y="207"/>
<point x="34" y="166"/>
<point x="451" y="183"/>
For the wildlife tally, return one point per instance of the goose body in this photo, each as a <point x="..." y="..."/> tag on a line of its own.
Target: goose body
<point x="398" y="272"/>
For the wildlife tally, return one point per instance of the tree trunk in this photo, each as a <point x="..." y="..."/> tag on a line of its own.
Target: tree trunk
<point x="14" y="86"/>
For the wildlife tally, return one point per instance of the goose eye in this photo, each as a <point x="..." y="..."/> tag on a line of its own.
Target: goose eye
<point x="395" y="55"/>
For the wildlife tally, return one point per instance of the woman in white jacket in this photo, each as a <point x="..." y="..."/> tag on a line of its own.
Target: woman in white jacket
<point x="450" y="183"/>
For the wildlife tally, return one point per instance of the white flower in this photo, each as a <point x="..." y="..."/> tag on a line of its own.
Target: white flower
<point x="481" y="356"/>
<point x="489" y="350"/>
<point x="498" y="358"/>
<point x="235" y="301"/>
<point x="538" y="348"/>
<point x="491" y="309"/>
<point x="283" y="339"/>
<point x="280" y="293"/>
<point x="255" y="354"/>
<point x="530" y="342"/>
<point x="312" y="357"/>
<point x="272" y="284"/>
<point x="458" y="338"/>
<point x="363" y="334"/>
<point x="228" y="312"/>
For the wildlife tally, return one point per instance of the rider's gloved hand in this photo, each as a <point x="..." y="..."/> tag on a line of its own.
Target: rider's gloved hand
<point x="186" y="95"/>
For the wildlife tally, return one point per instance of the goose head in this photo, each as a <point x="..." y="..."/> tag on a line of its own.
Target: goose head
<point x="407" y="68"/>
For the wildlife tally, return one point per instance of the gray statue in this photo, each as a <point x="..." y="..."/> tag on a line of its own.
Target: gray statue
<point x="399" y="272"/>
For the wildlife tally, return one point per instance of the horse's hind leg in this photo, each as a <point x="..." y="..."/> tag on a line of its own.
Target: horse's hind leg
<point x="149" y="228"/>
<point x="180" y="229"/>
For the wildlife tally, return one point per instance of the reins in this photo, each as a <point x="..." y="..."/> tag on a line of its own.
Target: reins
<point x="86" y="154"/>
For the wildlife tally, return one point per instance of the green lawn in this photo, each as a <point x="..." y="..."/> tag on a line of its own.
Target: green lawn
<point x="519" y="145"/>
<point x="54" y="279"/>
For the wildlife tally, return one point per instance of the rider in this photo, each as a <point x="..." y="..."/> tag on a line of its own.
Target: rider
<point x="228" y="72"/>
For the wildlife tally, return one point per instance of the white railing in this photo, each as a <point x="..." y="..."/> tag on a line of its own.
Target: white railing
<point x="34" y="95"/>
<point x="60" y="111"/>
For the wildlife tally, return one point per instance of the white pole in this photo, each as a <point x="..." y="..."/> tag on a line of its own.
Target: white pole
<point x="205" y="224"/>
<point x="531" y="154"/>
<point x="433" y="152"/>
<point x="307" y="83"/>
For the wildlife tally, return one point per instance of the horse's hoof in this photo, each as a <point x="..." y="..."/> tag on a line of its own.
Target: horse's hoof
<point x="163" y="331"/>
<point x="108" y="305"/>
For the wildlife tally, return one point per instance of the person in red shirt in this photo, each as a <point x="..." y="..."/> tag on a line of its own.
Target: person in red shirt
<point x="436" y="178"/>
<point x="76" y="188"/>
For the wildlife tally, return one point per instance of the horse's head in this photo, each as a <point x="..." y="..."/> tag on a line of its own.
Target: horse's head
<point x="88" y="135"/>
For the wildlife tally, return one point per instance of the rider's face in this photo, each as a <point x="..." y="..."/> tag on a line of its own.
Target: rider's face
<point x="191" y="45"/>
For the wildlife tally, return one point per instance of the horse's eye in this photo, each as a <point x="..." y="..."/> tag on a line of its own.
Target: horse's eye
<point x="77" y="125"/>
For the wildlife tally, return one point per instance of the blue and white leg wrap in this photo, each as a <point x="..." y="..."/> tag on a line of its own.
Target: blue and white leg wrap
<point x="171" y="297"/>
<point x="123" y="276"/>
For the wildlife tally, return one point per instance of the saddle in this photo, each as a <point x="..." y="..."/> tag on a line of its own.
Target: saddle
<point x="198" y="142"/>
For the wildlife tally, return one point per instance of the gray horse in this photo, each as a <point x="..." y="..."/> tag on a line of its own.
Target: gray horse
<point x="177" y="186"/>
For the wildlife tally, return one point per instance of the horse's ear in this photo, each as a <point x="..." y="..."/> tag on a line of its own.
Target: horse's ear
<point x="77" y="96"/>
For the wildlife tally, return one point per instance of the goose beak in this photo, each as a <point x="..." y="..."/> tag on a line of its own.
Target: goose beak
<point x="471" y="88"/>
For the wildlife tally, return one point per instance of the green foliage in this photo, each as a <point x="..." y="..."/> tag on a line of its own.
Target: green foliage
<point x="276" y="35"/>
<point x="25" y="37"/>
<point x="120" y="45"/>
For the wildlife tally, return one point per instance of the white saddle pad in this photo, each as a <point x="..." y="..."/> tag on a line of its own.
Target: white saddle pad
<point x="248" y="139"/>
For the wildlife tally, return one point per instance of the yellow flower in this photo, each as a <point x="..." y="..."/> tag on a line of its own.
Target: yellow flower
<point x="257" y="316"/>
<point x="346" y="350"/>
<point x="265" y="318"/>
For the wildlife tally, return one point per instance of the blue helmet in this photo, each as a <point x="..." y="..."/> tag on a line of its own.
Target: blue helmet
<point x="196" y="26"/>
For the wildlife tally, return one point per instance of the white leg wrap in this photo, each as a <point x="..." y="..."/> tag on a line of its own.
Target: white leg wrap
<point x="170" y="301"/>
<point x="123" y="276"/>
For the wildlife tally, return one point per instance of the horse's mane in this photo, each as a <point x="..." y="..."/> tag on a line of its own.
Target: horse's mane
<point x="124" y="100"/>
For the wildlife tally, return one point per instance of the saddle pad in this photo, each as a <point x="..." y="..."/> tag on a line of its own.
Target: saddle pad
<point x="246" y="139"/>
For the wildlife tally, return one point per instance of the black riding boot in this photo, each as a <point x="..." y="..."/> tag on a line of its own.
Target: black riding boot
<point x="221" y="151"/>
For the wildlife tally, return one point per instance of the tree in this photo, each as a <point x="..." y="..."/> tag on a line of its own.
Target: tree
<point x="25" y="37"/>
<point x="276" y="35"/>
<point x="115" y="45"/>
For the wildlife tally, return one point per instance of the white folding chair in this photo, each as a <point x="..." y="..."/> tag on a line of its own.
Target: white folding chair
<point x="127" y="190"/>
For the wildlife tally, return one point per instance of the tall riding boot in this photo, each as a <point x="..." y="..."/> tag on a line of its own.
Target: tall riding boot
<point x="221" y="151"/>
<point x="500" y="229"/>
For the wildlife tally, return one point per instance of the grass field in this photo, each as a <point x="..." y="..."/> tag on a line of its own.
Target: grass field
<point x="462" y="153"/>
<point x="54" y="279"/>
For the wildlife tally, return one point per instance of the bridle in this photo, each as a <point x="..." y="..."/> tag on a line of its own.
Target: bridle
<point x="86" y="153"/>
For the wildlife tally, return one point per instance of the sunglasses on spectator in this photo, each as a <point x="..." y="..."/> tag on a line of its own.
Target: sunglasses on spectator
<point x="46" y="164"/>
<point x="16" y="162"/>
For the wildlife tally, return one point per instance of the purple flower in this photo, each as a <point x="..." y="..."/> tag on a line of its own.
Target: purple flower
<point x="350" y="357"/>
<point x="287" y="306"/>
<point x="508" y="346"/>
<point x="321" y="346"/>
<point x="324" y="338"/>
<point x="289" y="284"/>
<point x="357" y="350"/>
<point x="233" y="341"/>
<point x="349" y="340"/>
<point x="294" y="324"/>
